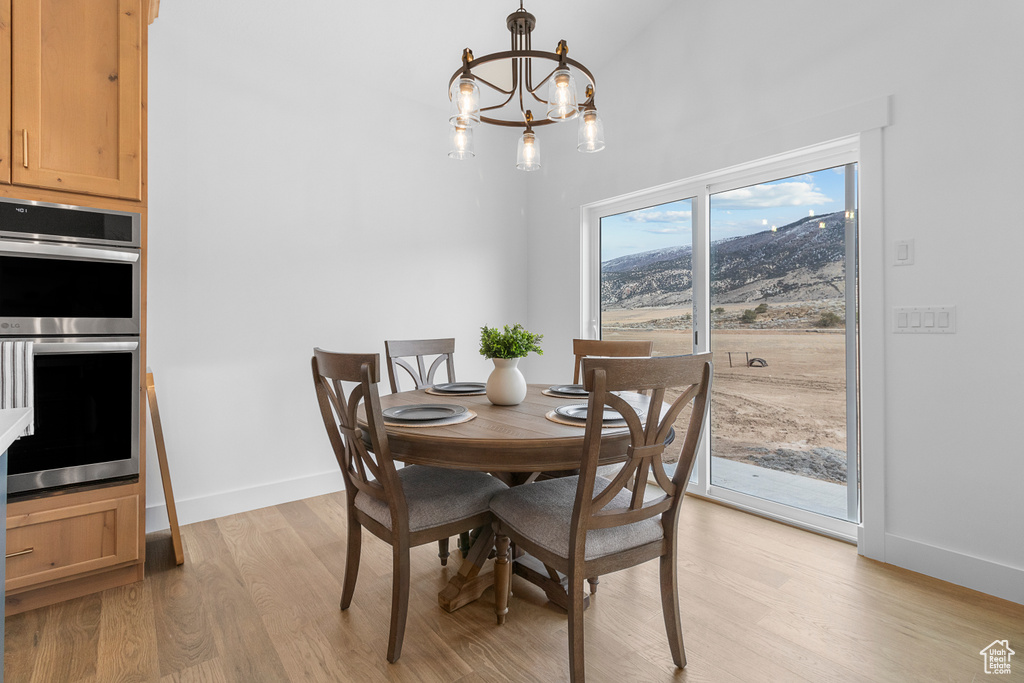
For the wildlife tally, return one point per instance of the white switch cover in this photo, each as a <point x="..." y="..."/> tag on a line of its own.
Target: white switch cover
<point x="904" y="253"/>
<point x="924" y="319"/>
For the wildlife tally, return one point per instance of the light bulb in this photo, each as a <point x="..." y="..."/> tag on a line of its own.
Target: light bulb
<point x="591" y="132"/>
<point x="461" y="139"/>
<point x="466" y="99"/>
<point x="562" y="96"/>
<point x="528" y="155"/>
<point x="465" y="109"/>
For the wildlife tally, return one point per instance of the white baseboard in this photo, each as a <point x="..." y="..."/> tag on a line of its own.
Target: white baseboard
<point x="972" y="572"/>
<point x="242" y="500"/>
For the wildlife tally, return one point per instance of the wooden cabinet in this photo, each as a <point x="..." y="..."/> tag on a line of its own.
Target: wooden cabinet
<point x="45" y="545"/>
<point x="74" y="95"/>
<point x="66" y="545"/>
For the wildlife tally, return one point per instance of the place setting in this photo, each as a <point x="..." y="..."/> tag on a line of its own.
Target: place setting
<point x="458" y="389"/>
<point x="427" y="415"/>
<point x="575" y="415"/>
<point x="566" y="391"/>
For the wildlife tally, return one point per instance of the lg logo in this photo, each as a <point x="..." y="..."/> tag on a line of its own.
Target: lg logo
<point x="6" y="326"/>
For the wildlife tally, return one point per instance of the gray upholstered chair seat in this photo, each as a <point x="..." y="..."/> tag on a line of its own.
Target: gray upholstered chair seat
<point x="435" y="496"/>
<point x="542" y="512"/>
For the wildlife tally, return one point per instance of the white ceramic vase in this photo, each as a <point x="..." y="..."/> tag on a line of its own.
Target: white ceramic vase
<point x="506" y="386"/>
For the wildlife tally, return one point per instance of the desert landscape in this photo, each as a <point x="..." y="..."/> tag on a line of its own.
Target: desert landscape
<point x="790" y="414"/>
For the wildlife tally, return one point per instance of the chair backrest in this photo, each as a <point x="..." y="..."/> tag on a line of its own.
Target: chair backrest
<point x="609" y="349"/>
<point x="369" y="470"/>
<point x="691" y="376"/>
<point x="397" y="350"/>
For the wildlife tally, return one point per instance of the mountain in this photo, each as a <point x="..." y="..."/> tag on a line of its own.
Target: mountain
<point x="799" y="262"/>
<point x="643" y="259"/>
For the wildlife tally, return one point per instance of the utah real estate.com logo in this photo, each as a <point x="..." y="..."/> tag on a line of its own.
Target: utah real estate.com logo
<point x="997" y="657"/>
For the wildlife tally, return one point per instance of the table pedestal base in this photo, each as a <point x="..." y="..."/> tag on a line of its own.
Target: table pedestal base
<point x="469" y="584"/>
<point x="554" y="584"/>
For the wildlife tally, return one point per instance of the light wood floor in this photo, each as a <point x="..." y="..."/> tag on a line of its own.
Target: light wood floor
<point x="257" y="600"/>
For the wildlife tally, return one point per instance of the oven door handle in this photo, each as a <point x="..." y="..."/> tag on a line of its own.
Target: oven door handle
<point x="45" y="348"/>
<point x="77" y="252"/>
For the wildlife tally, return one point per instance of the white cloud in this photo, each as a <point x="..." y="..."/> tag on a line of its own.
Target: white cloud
<point x="659" y="216"/>
<point x="677" y="230"/>
<point x="770" y="195"/>
<point x="663" y="222"/>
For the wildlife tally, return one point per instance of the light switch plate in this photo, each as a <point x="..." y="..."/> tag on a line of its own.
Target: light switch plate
<point x="924" y="320"/>
<point x="903" y="254"/>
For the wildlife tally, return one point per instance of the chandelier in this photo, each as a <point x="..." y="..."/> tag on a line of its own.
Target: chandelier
<point x="513" y="93"/>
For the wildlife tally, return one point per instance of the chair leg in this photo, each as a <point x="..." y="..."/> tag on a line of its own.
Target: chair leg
<point x="442" y="551"/>
<point x="399" y="600"/>
<point x="355" y="543"/>
<point x="502" y="577"/>
<point x="465" y="543"/>
<point x="593" y="581"/>
<point x="670" y="608"/>
<point x="576" y="662"/>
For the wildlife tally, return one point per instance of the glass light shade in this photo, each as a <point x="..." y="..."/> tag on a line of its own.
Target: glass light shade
<point x="591" y="132"/>
<point x="461" y="139"/>
<point x="465" y="107"/>
<point x="562" y="96"/>
<point x="528" y="152"/>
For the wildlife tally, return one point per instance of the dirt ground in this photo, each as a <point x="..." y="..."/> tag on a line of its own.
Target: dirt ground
<point x="794" y="405"/>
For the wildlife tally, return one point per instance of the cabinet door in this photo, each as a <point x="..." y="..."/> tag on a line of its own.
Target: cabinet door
<point x="56" y="544"/>
<point x="77" y="96"/>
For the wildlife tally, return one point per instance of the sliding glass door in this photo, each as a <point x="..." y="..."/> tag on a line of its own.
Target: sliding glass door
<point x="758" y="266"/>
<point x="782" y="265"/>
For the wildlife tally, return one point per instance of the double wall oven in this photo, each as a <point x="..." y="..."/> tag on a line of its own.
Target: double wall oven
<point x="71" y="283"/>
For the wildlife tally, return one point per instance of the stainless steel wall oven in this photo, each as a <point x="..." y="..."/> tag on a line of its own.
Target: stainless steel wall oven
<point x="70" y="282"/>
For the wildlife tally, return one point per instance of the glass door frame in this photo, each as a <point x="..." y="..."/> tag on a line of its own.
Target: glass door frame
<point x="838" y="152"/>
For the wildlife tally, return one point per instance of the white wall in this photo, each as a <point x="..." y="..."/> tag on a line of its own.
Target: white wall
<point x="288" y="210"/>
<point x="731" y="81"/>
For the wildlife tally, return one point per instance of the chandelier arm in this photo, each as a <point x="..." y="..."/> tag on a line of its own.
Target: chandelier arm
<point x="523" y="71"/>
<point x="495" y="88"/>
<point x="546" y="79"/>
<point x="529" y="64"/>
<point x="499" y="106"/>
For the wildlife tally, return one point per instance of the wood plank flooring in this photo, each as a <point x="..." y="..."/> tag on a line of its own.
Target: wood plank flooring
<point x="257" y="600"/>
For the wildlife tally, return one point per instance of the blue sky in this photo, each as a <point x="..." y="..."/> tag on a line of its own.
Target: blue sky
<point x="738" y="212"/>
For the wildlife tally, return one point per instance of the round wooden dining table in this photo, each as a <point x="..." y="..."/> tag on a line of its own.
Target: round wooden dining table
<point x="516" y="438"/>
<point x="503" y="440"/>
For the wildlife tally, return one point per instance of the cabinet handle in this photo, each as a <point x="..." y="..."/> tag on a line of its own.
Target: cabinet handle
<point x="26" y="551"/>
<point x="24" y="147"/>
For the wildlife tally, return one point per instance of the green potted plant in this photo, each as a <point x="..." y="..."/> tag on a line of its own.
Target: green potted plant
<point x="506" y="386"/>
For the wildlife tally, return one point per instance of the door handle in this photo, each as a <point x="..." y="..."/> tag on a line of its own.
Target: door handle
<point x="26" y="551"/>
<point x="24" y="147"/>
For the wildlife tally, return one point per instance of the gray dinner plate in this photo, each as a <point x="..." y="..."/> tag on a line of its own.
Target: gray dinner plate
<point x="578" y="411"/>
<point x="569" y="389"/>
<point x="460" y="387"/>
<point x="422" y="412"/>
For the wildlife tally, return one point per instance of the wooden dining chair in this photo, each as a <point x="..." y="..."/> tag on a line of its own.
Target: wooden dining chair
<point x="630" y="348"/>
<point x="406" y="507"/>
<point x="396" y="351"/>
<point x="589" y="525"/>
